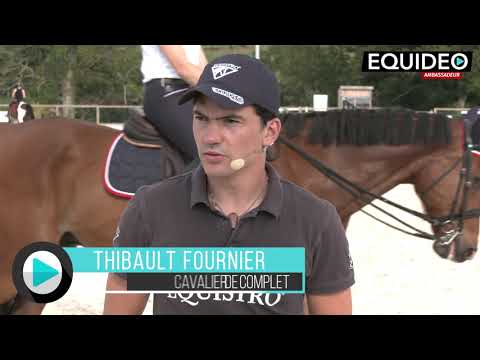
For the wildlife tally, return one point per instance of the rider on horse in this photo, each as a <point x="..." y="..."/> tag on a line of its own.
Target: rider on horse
<point x="18" y="110"/>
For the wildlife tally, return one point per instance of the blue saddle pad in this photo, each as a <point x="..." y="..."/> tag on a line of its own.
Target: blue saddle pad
<point x="128" y="167"/>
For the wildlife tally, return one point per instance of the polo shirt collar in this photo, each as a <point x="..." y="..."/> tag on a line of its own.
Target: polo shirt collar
<point x="272" y="203"/>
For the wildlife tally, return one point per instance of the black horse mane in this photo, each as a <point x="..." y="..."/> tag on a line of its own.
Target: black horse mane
<point x="388" y="126"/>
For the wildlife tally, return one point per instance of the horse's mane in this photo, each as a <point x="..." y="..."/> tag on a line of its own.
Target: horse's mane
<point x="388" y="126"/>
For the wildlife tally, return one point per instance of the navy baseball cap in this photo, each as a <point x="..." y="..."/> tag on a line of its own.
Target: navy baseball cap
<point x="234" y="81"/>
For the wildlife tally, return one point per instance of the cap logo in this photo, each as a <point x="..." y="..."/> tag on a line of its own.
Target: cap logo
<point x="221" y="70"/>
<point x="234" y="97"/>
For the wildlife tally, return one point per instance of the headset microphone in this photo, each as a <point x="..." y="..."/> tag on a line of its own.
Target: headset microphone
<point x="239" y="163"/>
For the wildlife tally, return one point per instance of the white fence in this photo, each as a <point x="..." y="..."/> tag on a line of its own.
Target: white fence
<point x="462" y="111"/>
<point x="3" y="116"/>
<point x="57" y="109"/>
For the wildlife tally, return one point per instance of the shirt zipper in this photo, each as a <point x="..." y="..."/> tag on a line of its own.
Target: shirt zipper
<point x="233" y="231"/>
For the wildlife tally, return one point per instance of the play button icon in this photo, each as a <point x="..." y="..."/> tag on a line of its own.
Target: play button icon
<point x="43" y="272"/>
<point x="460" y="61"/>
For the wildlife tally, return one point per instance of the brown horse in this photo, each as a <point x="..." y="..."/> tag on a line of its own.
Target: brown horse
<point x="52" y="172"/>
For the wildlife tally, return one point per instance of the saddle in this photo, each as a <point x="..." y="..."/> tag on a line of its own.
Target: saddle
<point x="139" y="130"/>
<point x="141" y="133"/>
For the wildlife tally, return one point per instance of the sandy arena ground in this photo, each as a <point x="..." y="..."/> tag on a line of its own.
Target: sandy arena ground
<point x="395" y="273"/>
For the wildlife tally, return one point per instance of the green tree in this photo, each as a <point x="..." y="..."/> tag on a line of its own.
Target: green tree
<point x="311" y="69"/>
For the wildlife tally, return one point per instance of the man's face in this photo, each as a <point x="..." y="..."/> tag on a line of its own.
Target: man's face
<point x="223" y="135"/>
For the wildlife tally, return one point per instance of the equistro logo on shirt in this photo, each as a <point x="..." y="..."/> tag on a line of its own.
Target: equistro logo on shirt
<point x="193" y="299"/>
<point x="233" y="97"/>
<point x="221" y="70"/>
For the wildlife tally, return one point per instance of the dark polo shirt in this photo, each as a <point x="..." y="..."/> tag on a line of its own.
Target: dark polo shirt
<point x="176" y="213"/>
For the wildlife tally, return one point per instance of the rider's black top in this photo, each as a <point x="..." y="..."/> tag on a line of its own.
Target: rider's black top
<point x="18" y="94"/>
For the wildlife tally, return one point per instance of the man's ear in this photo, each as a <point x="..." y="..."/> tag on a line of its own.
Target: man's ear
<point x="273" y="129"/>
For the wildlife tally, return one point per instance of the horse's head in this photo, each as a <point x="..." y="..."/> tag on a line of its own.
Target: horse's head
<point x="447" y="186"/>
<point x="376" y="150"/>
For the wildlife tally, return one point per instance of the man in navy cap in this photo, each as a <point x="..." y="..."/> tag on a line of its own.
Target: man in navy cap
<point x="234" y="198"/>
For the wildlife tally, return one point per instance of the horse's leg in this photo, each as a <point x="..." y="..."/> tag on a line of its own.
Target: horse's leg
<point x="98" y="230"/>
<point x="24" y="306"/>
<point x="7" y="308"/>
<point x="19" y="305"/>
<point x="69" y="240"/>
<point x="30" y="231"/>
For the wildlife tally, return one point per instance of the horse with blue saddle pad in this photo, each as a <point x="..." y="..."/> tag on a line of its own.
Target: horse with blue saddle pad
<point x="73" y="182"/>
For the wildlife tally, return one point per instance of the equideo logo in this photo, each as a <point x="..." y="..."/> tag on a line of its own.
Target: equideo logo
<point x="432" y="64"/>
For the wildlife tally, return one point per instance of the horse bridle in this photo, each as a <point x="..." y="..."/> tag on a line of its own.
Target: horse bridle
<point x="364" y="197"/>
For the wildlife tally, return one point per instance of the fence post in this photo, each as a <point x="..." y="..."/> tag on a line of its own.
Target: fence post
<point x="98" y="115"/>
